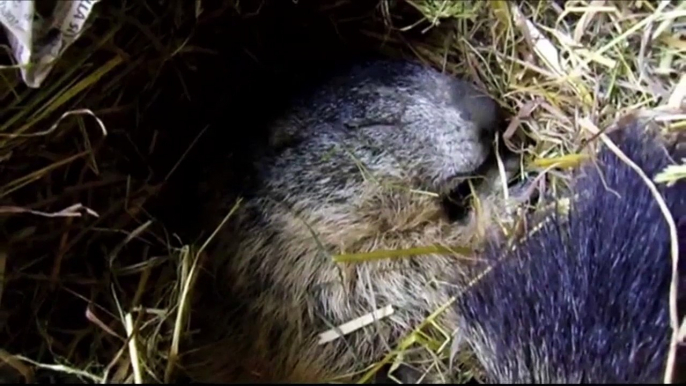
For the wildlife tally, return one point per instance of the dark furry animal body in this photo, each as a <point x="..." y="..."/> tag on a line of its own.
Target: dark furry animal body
<point x="584" y="299"/>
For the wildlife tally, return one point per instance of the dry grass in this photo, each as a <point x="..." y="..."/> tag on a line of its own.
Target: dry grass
<point x="95" y="271"/>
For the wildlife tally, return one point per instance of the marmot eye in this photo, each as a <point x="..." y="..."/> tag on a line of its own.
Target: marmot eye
<point x="457" y="204"/>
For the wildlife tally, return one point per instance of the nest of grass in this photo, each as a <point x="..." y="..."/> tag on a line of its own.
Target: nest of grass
<point x="97" y="263"/>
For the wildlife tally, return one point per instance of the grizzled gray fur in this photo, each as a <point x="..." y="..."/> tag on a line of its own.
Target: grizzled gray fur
<point x="360" y="163"/>
<point x="585" y="298"/>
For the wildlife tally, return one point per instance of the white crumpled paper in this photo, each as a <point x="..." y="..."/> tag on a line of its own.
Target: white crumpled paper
<point x="39" y="41"/>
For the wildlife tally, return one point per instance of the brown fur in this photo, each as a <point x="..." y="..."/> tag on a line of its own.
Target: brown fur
<point x="383" y="219"/>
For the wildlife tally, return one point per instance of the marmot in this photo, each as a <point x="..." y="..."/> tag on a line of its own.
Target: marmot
<point x="365" y="161"/>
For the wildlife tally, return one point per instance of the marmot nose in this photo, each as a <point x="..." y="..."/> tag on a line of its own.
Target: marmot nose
<point x="477" y="107"/>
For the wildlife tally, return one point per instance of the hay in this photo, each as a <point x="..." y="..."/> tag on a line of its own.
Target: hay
<point x="96" y="262"/>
